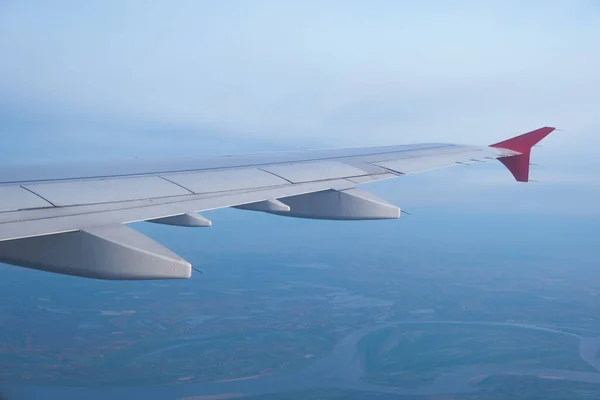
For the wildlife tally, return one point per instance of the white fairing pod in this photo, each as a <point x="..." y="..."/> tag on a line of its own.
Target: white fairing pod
<point x="112" y="252"/>
<point x="351" y="204"/>
<point x="266" y="206"/>
<point x="190" y="220"/>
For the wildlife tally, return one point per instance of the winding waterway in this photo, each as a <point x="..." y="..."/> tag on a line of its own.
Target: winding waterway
<point x="341" y="369"/>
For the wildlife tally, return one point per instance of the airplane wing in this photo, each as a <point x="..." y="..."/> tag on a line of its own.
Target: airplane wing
<point x="71" y="219"/>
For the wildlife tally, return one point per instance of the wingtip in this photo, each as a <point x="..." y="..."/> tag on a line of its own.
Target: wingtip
<point x="518" y="164"/>
<point x="523" y="143"/>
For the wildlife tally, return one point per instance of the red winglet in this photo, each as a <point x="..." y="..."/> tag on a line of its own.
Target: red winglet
<point x="518" y="165"/>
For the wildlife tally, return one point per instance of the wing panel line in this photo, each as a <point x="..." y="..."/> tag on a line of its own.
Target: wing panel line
<point x="175" y="183"/>
<point x="38" y="195"/>
<point x="274" y="174"/>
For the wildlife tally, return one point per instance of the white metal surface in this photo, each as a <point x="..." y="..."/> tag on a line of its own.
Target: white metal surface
<point x="106" y="190"/>
<point x="157" y="166"/>
<point x="430" y="162"/>
<point x="221" y="181"/>
<point x="143" y="198"/>
<point x="17" y="198"/>
<point x="110" y="252"/>
<point x="351" y="204"/>
<point x="266" y="206"/>
<point x="372" y="178"/>
<point x="314" y="171"/>
<point x="190" y="220"/>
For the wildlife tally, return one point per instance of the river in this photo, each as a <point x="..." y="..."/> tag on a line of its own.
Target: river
<point x="341" y="369"/>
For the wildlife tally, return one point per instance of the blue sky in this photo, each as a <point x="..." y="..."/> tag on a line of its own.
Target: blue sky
<point x="107" y="79"/>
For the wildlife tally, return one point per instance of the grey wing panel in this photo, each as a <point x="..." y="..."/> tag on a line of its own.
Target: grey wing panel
<point x="359" y="180"/>
<point x="314" y="171"/>
<point x="63" y="193"/>
<point x="158" y="166"/>
<point x="126" y="213"/>
<point x="428" y="162"/>
<point x="16" y="198"/>
<point x="350" y="204"/>
<point x="126" y="199"/>
<point x="224" y="180"/>
<point x="69" y="193"/>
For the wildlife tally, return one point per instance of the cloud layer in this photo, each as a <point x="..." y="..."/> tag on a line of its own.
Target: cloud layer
<point x="341" y="72"/>
<point x="118" y="78"/>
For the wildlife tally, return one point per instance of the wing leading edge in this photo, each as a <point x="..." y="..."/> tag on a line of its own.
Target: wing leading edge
<point x="59" y="220"/>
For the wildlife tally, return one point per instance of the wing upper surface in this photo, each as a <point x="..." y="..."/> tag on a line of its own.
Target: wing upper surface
<point x="59" y="195"/>
<point x="157" y="166"/>
<point x="57" y="200"/>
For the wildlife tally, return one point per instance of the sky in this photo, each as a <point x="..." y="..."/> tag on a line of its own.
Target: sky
<point x="110" y="79"/>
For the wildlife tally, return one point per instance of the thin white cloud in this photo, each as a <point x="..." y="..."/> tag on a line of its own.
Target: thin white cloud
<point x="345" y="73"/>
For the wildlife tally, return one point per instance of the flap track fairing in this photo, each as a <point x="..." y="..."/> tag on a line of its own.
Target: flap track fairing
<point x="110" y="252"/>
<point x="350" y="204"/>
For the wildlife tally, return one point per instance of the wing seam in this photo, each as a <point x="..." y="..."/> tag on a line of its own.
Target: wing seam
<point x="38" y="195"/>
<point x="391" y="171"/>
<point x="176" y="184"/>
<point x="276" y="175"/>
